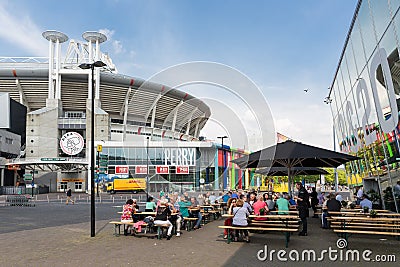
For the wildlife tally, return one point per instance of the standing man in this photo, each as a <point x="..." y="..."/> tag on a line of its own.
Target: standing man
<point x="314" y="201"/>
<point x="302" y="206"/>
<point x="69" y="194"/>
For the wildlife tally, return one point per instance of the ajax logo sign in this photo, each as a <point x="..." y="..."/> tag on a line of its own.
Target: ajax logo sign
<point x="72" y="143"/>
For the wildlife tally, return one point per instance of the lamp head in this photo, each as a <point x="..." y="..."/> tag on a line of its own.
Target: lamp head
<point x="85" y="66"/>
<point x="96" y="64"/>
<point x="99" y="63"/>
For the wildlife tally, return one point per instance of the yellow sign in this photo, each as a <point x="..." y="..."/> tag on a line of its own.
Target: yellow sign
<point x="99" y="148"/>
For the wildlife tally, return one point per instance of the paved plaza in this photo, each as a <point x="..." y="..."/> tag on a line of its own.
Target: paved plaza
<point x="55" y="234"/>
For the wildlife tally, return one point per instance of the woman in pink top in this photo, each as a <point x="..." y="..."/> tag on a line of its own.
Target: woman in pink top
<point x="257" y="206"/>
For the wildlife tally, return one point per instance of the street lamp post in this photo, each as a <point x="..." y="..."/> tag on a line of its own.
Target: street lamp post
<point x="92" y="154"/>
<point x="223" y="160"/>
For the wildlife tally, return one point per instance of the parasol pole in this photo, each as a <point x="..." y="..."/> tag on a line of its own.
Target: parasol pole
<point x="288" y="179"/>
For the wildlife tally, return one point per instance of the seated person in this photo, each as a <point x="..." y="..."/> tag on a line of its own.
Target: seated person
<point x="246" y="204"/>
<point x="240" y="215"/>
<point x="135" y="216"/>
<point x="162" y="217"/>
<point x="228" y="221"/>
<point x="150" y="205"/>
<point x="282" y="204"/>
<point x="259" y="206"/>
<point x="365" y="202"/>
<point x="127" y="211"/>
<point x="176" y="219"/>
<point x="270" y="202"/>
<point x="330" y="205"/>
<point x="195" y="213"/>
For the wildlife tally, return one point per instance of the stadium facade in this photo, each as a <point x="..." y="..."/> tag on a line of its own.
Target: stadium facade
<point x="364" y="98"/>
<point x="137" y="123"/>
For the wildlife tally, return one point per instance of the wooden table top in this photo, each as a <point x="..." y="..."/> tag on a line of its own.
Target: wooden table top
<point x="365" y="218"/>
<point x="280" y="216"/>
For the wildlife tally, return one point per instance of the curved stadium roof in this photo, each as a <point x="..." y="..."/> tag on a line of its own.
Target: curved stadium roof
<point x="27" y="82"/>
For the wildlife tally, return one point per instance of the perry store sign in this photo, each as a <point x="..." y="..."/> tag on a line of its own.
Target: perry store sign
<point x="182" y="156"/>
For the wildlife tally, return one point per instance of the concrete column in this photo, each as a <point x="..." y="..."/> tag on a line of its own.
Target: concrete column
<point x="2" y="177"/>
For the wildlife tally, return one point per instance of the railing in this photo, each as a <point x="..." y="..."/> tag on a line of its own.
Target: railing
<point x="21" y="190"/>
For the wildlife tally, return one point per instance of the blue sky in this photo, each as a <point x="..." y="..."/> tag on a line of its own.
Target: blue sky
<point x="283" y="46"/>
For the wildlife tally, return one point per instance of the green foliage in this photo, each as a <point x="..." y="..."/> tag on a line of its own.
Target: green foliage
<point x="330" y="178"/>
<point x="373" y="213"/>
<point x="387" y="194"/>
<point x="373" y="195"/>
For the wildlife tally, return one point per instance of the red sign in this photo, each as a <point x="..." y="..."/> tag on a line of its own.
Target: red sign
<point x="122" y="169"/>
<point x="182" y="169"/>
<point x="162" y="169"/>
<point x="141" y="169"/>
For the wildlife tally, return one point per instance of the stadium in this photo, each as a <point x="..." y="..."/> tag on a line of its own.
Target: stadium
<point x="137" y="123"/>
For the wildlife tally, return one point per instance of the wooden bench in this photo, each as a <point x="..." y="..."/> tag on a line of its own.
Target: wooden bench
<point x="117" y="225"/>
<point x="345" y="226"/>
<point x="189" y="222"/>
<point x="286" y="231"/>
<point x="286" y="224"/>
<point x="160" y="229"/>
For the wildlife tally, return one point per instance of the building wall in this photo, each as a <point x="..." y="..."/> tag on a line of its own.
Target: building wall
<point x="42" y="133"/>
<point x="364" y="92"/>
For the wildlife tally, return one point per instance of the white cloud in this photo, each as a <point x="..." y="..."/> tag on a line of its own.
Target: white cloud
<point x="107" y="32"/>
<point x="17" y="27"/>
<point x="117" y="46"/>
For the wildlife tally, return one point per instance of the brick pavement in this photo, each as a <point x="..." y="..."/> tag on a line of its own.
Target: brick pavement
<point x="70" y="244"/>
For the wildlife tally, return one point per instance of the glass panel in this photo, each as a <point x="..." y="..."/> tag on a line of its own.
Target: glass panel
<point x="358" y="48"/>
<point x="345" y="77"/>
<point x="351" y="64"/>
<point x="393" y="6"/>
<point x="112" y="155"/>
<point x="381" y="15"/>
<point x="340" y="89"/>
<point x="367" y="31"/>
<point x="389" y="44"/>
<point x="337" y="100"/>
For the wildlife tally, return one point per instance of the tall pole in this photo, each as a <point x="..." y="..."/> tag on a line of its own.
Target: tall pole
<point x="92" y="162"/>
<point x="92" y="154"/>
<point x="98" y="173"/>
<point x="225" y="180"/>
<point x="147" y="169"/>
<point x="335" y="169"/>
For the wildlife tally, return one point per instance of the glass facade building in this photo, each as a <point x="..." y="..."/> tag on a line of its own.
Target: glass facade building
<point x="365" y="98"/>
<point x="175" y="166"/>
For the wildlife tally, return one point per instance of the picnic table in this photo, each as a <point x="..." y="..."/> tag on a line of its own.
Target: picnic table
<point x="345" y="226"/>
<point x="284" y="223"/>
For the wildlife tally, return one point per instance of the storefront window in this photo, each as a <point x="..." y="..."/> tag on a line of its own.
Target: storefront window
<point x="63" y="185"/>
<point x="78" y="185"/>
